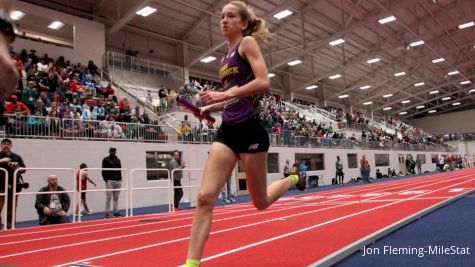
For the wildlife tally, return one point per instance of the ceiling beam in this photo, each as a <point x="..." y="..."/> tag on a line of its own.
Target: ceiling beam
<point x="196" y="24"/>
<point x="118" y="25"/>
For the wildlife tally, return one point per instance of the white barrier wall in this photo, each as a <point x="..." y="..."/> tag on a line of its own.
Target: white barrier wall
<point x="69" y="154"/>
<point x="89" y="37"/>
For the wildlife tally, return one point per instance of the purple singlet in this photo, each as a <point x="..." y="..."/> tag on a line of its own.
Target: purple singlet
<point x="235" y="70"/>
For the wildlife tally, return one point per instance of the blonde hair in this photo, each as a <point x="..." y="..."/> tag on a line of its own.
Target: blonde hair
<point x="256" y="27"/>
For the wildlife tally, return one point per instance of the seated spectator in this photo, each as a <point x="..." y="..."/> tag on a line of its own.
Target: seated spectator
<point x="41" y="107"/>
<point x="44" y="97"/>
<point x="99" y="89"/>
<point x="16" y="107"/>
<point x="86" y="112"/>
<point x="99" y="112"/>
<point x="52" y="208"/>
<point x="64" y="110"/>
<point x="109" y="91"/>
<point x="379" y="175"/>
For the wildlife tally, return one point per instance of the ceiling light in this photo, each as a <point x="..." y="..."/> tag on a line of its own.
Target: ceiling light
<point x="388" y="95"/>
<point x="146" y="11"/>
<point x="16" y="15"/>
<point x="336" y="76"/>
<point x="456" y="104"/>
<point x="419" y="107"/>
<point x="365" y="87"/>
<point x="387" y="108"/>
<point x="283" y="14"/>
<point x="417" y="43"/>
<point x="400" y="73"/>
<point x="438" y="60"/>
<point x="403" y="113"/>
<point x="368" y="103"/>
<point x="343" y="96"/>
<point x="446" y="98"/>
<point x="387" y="19"/>
<point x="270" y="75"/>
<point x="55" y="25"/>
<point x="295" y="62"/>
<point x="466" y="25"/>
<point x="406" y="101"/>
<point x="374" y="60"/>
<point x="471" y="91"/>
<point x="434" y="92"/>
<point x="336" y="42"/>
<point x="432" y="111"/>
<point x="465" y="82"/>
<point x="311" y="87"/>
<point x="453" y="72"/>
<point x="208" y="59"/>
<point x="419" y="84"/>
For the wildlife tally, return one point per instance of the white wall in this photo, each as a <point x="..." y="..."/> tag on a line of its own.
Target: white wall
<point x="461" y="122"/>
<point x="89" y="36"/>
<point x="69" y="154"/>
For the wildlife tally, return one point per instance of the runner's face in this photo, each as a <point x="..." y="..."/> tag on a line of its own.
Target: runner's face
<point x="231" y="23"/>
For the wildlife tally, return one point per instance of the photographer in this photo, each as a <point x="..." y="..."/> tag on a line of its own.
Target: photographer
<point x="10" y="161"/>
<point x="52" y="208"/>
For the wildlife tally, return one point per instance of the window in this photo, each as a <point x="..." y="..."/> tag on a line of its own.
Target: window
<point x="157" y="160"/>
<point x="352" y="161"/>
<point x="381" y="160"/>
<point x="273" y="163"/>
<point x="422" y="157"/>
<point x="314" y="162"/>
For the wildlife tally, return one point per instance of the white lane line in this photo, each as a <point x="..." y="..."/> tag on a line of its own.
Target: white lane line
<point x="315" y="226"/>
<point x="225" y="230"/>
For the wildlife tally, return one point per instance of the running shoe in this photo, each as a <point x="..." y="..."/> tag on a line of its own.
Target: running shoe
<point x="302" y="183"/>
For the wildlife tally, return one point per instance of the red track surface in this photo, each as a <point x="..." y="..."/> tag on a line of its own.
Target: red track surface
<point x="296" y="231"/>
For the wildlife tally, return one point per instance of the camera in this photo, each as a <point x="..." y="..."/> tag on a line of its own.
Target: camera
<point x="23" y="186"/>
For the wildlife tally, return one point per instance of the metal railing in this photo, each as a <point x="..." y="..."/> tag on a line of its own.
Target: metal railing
<point x="5" y="195"/>
<point x="137" y="64"/>
<point x="132" y="188"/>
<point x="122" y="188"/>
<point x="15" y="193"/>
<point x="171" y="132"/>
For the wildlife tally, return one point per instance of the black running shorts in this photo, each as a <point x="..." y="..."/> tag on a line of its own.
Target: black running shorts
<point x="245" y="137"/>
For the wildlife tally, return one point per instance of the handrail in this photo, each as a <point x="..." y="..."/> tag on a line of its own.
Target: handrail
<point x="36" y="193"/>
<point x="132" y="188"/>
<point x="5" y="195"/>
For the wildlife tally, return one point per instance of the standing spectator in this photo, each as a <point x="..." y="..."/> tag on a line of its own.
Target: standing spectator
<point x="339" y="170"/>
<point x="176" y="163"/>
<point x="287" y="168"/>
<point x="10" y="161"/>
<point x="29" y="95"/>
<point x="52" y="208"/>
<point x="82" y="177"/>
<point x="162" y="94"/>
<point x="419" y="165"/>
<point x="303" y="169"/>
<point x="365" y="169"/>
<point x="226" y="193"/>
<point x="113" y="179"/>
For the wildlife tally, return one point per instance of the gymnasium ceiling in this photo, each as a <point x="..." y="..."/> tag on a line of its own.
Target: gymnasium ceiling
<point x="305" y="35"/>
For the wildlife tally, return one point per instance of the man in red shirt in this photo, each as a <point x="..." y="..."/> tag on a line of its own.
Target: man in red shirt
<point x="10" y="108"/>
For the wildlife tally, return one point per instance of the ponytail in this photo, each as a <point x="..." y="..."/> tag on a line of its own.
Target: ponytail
<point x="256" y="27"/>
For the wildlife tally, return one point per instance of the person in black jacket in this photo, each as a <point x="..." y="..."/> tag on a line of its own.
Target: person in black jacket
<point x="113" y="179"/>
<point x="10" y="162"/>
<point x="52" y="208"/>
